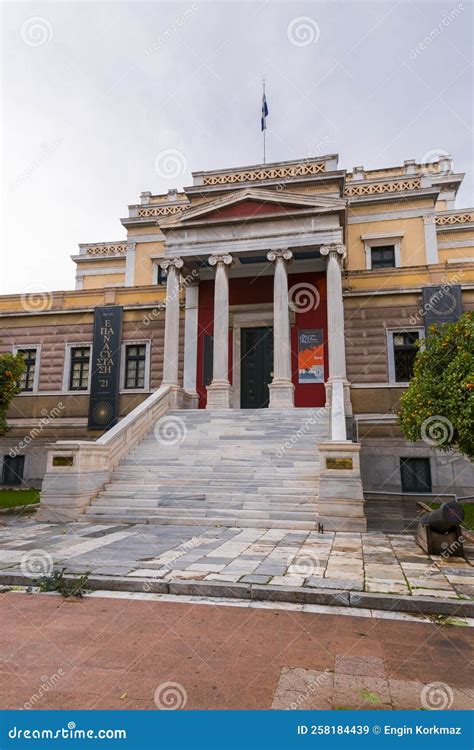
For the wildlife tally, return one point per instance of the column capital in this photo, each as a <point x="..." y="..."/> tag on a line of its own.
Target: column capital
<point x="216" y="258"/>
<point x="338" y="249"/>
<point x="176" y="262"/>
<point x="274" y="255"/>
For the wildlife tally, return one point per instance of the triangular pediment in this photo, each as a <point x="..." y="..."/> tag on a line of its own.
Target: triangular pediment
<point x="253" y="203"/>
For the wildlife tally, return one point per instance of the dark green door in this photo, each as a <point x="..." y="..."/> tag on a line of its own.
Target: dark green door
<point x="256" y="367"/>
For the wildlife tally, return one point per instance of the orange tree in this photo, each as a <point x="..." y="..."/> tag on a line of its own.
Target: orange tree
<point x="438" y="405"/>
<point x="11" y="369"/>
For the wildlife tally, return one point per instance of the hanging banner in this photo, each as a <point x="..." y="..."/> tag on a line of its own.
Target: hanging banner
<point x="441" y="304"/>
<point x="310" y="356"/>
<point x="105" y="364"/>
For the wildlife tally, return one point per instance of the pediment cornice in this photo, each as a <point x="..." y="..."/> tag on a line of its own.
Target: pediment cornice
<point x="291" y="201"/>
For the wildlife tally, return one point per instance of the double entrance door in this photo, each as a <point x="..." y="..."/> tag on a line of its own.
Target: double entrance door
<point x="256" y="367"/>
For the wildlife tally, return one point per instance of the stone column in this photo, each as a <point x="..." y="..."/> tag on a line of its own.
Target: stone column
<point x="338" y="386"/>
<point x="190" y="340"/>
<point x="219" y="392"/>
<point x="281" y="388"/>
<point x="171" y="349"/>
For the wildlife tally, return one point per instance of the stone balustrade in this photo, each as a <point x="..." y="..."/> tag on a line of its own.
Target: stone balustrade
<point x="77" y="469"/>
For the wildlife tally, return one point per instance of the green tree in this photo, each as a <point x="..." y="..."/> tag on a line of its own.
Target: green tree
<point x="438" y="406"/>
<point x="11" y="370"/>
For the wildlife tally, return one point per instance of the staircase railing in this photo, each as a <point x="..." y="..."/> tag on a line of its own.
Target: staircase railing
<point x="78" y="469"/>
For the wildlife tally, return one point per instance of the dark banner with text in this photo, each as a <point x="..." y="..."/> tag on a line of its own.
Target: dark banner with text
<point x="441" y="304"/>
<point x="103" y="403"/>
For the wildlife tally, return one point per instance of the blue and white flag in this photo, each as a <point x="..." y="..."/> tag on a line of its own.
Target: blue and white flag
<point x="264" y="112"/>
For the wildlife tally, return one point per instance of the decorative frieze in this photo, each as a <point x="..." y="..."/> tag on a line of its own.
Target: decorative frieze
<point x="397" y="186"/>
<point x="150" y="211"/>
<point x="464" y="217"/>
<point x="265" y="173"/>
<point x="106" y="249"/>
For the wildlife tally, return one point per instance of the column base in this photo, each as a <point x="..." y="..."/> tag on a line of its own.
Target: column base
<point x="176" y="396"/>
<point x="282" y="395"/>
<point x="219" y="395"/>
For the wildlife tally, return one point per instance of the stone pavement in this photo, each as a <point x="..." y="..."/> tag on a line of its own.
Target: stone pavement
<point x="140" y="651"/>
<point x="373" y="562"/>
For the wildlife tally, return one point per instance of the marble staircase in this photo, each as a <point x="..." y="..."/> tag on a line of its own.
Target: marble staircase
<point x="228" y="468"/>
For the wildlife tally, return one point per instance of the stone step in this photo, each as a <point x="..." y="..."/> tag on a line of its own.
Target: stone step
<point x="218" y="496"/>
<point x="241" y="523"/>
<point x="206" y="512"/>
<point x="210" y="482"/>
<point x="196" y="500"/>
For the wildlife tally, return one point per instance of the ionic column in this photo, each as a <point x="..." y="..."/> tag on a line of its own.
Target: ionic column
<point x="190" y="339"/>
<point x="219" y="392"/>
<point x="171" y="348"/>
<point x="281" y="387"/>
<point x="338" y="391"/>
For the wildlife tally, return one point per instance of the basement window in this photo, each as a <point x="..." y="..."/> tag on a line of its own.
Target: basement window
<point x="415" y="474"/>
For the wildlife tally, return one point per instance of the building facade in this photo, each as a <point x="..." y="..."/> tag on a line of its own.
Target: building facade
<point x="282" y="286"/>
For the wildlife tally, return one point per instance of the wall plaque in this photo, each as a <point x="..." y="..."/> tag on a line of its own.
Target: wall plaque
<point x="310" y="356"/>
<point x="339" y="463"/>
<point x="103" y="402"/>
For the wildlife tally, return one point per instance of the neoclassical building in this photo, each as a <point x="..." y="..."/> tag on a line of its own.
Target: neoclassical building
<point x="281" y="292"/>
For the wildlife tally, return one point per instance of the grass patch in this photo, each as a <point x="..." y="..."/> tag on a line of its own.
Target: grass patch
<point x="468" y="522"/>
<point x="74" y="585"/>
<point x="13" y="498"/>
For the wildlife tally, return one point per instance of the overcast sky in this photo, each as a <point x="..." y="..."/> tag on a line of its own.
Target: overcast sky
<point x="94" y="92"/>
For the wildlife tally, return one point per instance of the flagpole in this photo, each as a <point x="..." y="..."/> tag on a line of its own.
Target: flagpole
<point x="265" y="128"/>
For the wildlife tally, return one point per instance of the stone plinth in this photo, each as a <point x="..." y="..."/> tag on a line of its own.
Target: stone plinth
<point x="341" y="498"/>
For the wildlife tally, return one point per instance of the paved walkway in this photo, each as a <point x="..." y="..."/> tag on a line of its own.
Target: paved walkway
<point x="370" y="562"/>
<point x="124" y="653"/>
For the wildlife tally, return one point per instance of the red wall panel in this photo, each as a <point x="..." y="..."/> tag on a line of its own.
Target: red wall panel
<point x="254" y="290"/>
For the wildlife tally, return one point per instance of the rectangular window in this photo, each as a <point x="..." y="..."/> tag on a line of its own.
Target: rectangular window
<point x="405" y="348"/>
<point x="79" y="368"/>
<point x="135" y="363"/>
<point x="162" y="276"/>
<point x="382" y="257"/>
<point x="27" y="380"/>
<point x="415" y="474"/>
<point x="12" y="469"/>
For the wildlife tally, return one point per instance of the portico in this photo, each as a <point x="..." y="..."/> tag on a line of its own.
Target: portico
<point x="234" y="244"/>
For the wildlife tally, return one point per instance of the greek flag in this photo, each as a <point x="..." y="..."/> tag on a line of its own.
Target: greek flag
<point x="264" y="112"/>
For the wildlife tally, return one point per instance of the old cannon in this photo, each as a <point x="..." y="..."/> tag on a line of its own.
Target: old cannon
<point x="439" y="531"/>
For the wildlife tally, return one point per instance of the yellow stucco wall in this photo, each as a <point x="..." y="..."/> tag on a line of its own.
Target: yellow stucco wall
<point x="106" y="279"/>
<point x="144" y="261"/>
<point x="412" y="246"/>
